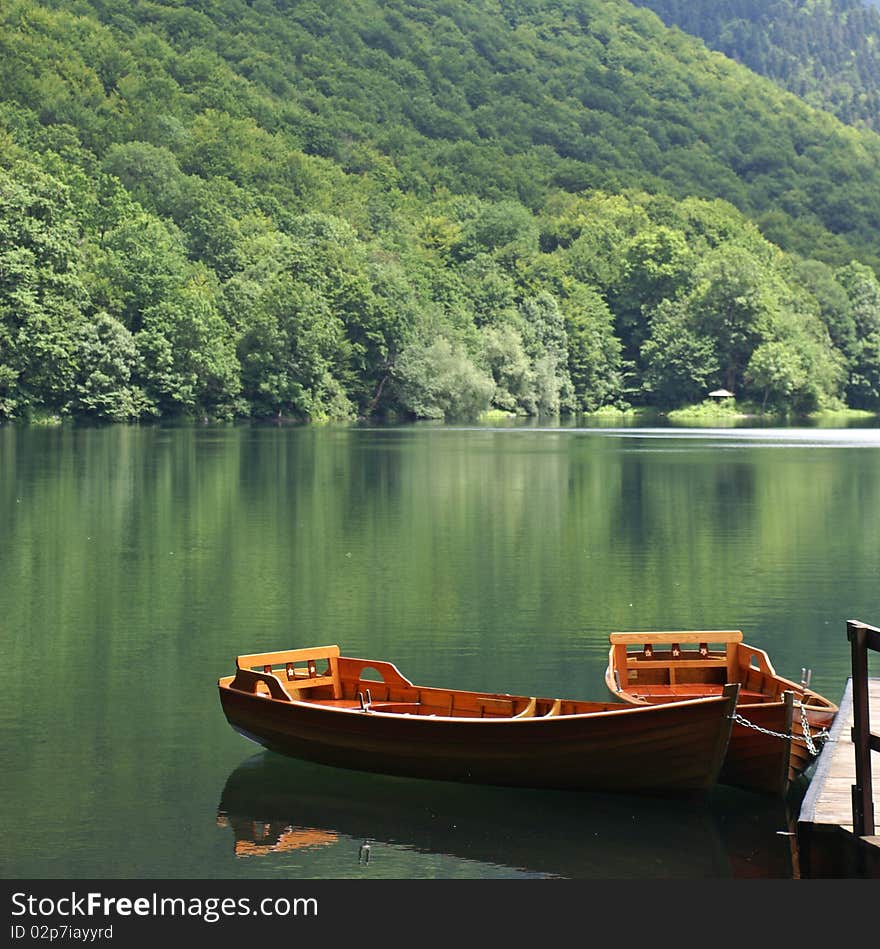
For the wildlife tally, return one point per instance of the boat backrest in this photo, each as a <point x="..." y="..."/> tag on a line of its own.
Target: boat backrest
<point x="682" y="636"/>
<point x="295" y="669"/>
<point x="730" y="638"/>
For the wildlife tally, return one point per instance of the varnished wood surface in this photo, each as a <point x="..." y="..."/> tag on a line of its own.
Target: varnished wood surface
<point x="395" y="727"/>
<point x="761" y="758"/>
<point x="829" y="798"/>
<point x="680" y="636"/>
<point x="827" y="847"/>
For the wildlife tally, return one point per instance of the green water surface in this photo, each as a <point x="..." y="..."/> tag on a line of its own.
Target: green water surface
<point x="137" y="562"/>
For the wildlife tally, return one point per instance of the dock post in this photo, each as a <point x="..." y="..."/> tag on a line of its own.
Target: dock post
<point x="862" y="638"/>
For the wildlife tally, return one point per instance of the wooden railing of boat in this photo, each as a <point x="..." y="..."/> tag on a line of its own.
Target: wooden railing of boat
<point x="703" y="657"/>
<point x="676" y="669"/>
<point x="284" y="675"/>
<point x="377" y="685"/>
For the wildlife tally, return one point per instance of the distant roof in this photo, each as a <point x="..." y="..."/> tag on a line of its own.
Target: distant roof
<point x="721" y="394"/>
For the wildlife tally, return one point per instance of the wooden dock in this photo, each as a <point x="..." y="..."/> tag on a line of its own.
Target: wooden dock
<point x="827" y="846"/>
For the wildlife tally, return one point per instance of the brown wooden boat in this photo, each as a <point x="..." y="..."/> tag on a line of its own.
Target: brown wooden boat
<point x="779" y="726"/>
<point x="363" y="714"/>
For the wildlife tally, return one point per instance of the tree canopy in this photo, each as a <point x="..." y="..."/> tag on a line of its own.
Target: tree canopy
<point x="338" y="210"/>
<point x="828" y="53"/>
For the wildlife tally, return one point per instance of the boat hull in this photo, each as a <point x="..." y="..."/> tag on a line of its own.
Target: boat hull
<point x="760" y="760"/>
<point x="818" y="720"/>
<point x="769" y="763"/>
<point x="673" y="748"/>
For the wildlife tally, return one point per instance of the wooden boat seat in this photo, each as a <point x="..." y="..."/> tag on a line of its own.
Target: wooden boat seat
<point x="554" y="709"/>
<point x="694" y="690"/>
<point x="300" y="671"/>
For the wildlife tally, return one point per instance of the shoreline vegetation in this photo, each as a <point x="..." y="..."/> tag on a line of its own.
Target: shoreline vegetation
<point x="709" y="414"/>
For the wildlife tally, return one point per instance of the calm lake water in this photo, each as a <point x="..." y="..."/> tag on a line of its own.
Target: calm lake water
<point x="137" y="562"/>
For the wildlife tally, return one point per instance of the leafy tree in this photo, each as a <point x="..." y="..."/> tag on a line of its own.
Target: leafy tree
<point x="594" y="352"/>
<point x="735" y="301"/>
<point x="138" y="264"/>
<point x="438" y="380"/>
<point x="490" y="293"/>
<point x="292" y="346"/>
<point x="603" y="226"/>
<point x="503" y="354"/>
<point x="150" y="173"/>
<point x="656" y="266"/>
<point x="187" y="353"/>
<point x="546" y="340"/>
<point x="834" y="306"/>
<point x="107" y="361"/>
<point x="680" y="363"/>
<point x="863" y="293"/>
<point x="498" y="225"/>
<point x="778" y="371"/>
<point x="41" y="294"/>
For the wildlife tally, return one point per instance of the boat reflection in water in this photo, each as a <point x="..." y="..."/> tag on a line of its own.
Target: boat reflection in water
<point x="256" y="838"/>
<point x="275" y="805"/>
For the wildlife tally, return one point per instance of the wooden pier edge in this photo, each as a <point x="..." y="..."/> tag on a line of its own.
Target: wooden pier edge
<point x="828" y="848"/>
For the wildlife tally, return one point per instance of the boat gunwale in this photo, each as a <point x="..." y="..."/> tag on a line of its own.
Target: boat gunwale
<point x="619" y="708"/>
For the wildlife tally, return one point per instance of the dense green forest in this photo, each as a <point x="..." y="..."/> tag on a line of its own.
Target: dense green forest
<point x="825" y="51"/>
<point x="223" y="208"/>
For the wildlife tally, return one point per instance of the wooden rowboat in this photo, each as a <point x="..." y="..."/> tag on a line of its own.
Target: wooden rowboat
<point x="779" y="725"/>
<point x="363" y="714"/>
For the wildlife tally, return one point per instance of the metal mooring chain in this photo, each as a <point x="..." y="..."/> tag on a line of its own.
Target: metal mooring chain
<point x="741" y="720"/>
<point x="808" y="738"/>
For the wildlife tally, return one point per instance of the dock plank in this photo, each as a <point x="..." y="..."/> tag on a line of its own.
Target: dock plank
<point x="825" y="825"/>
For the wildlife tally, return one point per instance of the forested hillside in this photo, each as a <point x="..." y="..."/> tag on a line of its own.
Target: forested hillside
<point x="331" y="210"/>
<point x="825" y="51"/>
